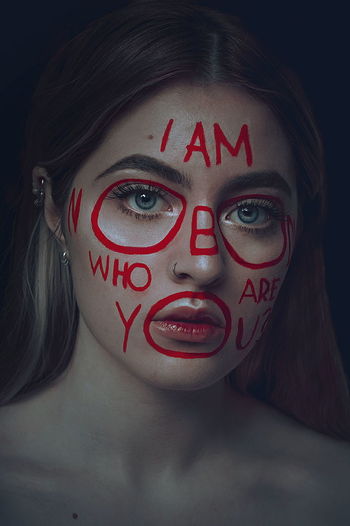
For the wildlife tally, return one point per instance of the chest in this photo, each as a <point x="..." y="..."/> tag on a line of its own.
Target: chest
<point x="205" y="502"/>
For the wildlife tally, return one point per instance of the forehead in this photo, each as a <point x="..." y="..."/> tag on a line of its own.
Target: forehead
<point x="141" y="129"/>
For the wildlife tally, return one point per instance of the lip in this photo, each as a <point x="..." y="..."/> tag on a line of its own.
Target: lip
<point x="193" y="325"/>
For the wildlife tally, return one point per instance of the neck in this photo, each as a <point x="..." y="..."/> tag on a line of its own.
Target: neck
<point x="121" y="418"/>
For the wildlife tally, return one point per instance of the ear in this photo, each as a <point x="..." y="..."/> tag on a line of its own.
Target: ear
<point x="42" y="181"/>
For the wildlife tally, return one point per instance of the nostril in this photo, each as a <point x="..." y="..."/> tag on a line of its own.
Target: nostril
<point x="180" y="275"/>
<point x="204" y="271"/>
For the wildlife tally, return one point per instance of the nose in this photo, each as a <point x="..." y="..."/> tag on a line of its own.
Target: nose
<point x="198" y="253"/>
<point x="202" y="271"/>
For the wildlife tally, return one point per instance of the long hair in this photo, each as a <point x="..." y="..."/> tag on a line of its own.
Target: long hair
<point x="116" y="62"/>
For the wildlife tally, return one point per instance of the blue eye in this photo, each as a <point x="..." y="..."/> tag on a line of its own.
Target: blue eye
<point x="145" y="200"/>
<point x="141" y="201"/>
<point x="255" y="215"/>
<point x="250" y="214"/>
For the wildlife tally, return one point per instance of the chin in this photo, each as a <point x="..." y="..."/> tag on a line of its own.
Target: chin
<point x="178" y="374"/>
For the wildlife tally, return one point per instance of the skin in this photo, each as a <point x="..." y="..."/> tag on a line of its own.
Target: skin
<point x="135" y="434"/>
<point x="101" y="327"/>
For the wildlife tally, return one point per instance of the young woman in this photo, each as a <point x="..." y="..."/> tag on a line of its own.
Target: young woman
<point x="169" y="356"/>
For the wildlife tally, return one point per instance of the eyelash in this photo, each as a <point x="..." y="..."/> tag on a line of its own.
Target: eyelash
<point x="269" y="206"/>
<point x="124" y="191"/>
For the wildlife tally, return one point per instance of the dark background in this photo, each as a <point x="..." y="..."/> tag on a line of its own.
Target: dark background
<point x="312" y="39"/>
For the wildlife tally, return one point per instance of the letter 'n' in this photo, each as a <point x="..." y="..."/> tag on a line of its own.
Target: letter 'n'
<point x="74" y="209"/>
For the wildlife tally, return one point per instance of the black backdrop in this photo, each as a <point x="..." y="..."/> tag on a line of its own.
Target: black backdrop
<point x="312" y="39"/>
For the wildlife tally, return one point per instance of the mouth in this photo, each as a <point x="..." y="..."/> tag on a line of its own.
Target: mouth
<point x="190" y="325"/>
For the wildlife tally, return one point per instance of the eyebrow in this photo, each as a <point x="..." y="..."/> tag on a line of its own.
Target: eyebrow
<point x="145" y="163"/>
<point x="263" y="179"/>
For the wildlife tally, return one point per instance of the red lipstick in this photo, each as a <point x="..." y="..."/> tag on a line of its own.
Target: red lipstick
<point x="189" y="325"/>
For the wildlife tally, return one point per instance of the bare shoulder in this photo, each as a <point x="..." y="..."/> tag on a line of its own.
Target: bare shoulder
<point x="330" y="468"/>
<point x="28" y="436"/>
<point x="313" y="469"/>
<point x="18" y="420"/>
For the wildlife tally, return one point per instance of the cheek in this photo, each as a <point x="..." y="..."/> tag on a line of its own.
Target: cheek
<point x="259" y="267"/>
<point x="117" y="228"/>
<point x="112" y="292"/>
<point x="116" y="292"/>
<point x="254" y="302"/>
<point x="110" y="288"/>
<point x="263" y="248"/>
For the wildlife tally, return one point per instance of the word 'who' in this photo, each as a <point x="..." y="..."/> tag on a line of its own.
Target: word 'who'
<point x="124" y="276"/>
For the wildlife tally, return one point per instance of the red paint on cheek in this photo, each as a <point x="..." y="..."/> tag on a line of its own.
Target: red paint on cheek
<point x="127" y="322"/>
<point x="248" y="291"/>
<point x="198" y="135"/>
<point x="126" y="274"/>
<point x="196" y="231"/>
<point x="267" y="315"/>
<point x="274" y="287"/>
<point x="74" y="210"/>
<point x="265" y="291"/>
<point x="266" y="318"/>
<point x="232" y="250"/>
<point x="157" y="307"/>
<point x="243" y="140"/>
<point x="240" y="334"/>
<point x="103" y="268"/>
<point x="123" y="249"/>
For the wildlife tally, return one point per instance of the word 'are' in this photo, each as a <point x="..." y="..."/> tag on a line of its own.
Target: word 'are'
<point x="264" y="291"/>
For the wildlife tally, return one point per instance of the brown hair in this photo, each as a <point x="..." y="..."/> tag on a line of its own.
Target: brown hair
<point x="117" y="61"/>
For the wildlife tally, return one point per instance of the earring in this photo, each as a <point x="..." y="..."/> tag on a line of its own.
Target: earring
<point x="39" y="193"/>
<point x="65" y="257"/>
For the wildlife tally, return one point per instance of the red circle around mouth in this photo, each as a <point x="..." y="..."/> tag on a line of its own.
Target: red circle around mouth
<point x="187" y="294"/>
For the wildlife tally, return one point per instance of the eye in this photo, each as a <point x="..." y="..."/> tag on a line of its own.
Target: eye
<point x="255" y="214"/>
<point x="142" y="201"/>
<point x="252" y="214"/>
<point x="146" y="200"/>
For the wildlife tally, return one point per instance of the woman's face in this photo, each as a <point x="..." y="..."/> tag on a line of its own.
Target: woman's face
<point x="180" y="228"/>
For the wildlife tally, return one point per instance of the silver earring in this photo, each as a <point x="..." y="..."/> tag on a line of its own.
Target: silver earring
<point x="65" y="257"/>
<point x="40" y="194"/>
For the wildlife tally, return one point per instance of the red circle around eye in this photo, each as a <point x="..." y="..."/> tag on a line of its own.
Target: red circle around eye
<point x="187" y="294"/>
<point x="115" y="247"/>
<point x="233" y="253"/>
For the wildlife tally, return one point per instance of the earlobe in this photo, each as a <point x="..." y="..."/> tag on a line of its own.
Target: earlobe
<point x="42" y="189"/>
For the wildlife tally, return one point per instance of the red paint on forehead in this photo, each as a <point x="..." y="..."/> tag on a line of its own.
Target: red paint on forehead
<point x="197" y="143"/>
